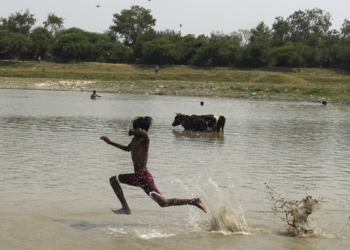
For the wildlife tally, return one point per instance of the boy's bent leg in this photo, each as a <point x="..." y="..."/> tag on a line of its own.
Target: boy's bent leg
<point x="178" y="202"/>
<point x="119" y="192"/>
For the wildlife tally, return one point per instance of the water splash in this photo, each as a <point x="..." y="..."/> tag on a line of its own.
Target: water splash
<point x="300" y="215"/>
<point x="298" y="212"/>
<point x="226" y="212"/>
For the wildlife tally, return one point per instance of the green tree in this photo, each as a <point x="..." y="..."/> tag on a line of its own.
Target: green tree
<point x="172" y="35"/>
<point x="148" y="36"/>
<point x="280" y="32"/>
<point x="261" y="33"/>
<point x="306" y="30"/>
<point x="218" y="51"/>
<point x="161" y="51"/>
<point x="113" y="52"/>
<point x="106" y="50"/>
<point x="132" y="23"/>
<point x="342" y="47"/>
<point x="345" y="29"/>
<point x="302" y="26"/>
<point x="237" y="38"/>
<point x="308" y="24"/>
<point x="14" y="45"/>
<point x="344" y="57"/>
<point x="18" y="22"/>
<point x="328" y="47"/>
<point x="189" y="46"/>
<point x="41" y="41"/>
<point x="112" y="34"/>
<point x="73" y="44"/>
<point x="96" y="38"/>
<point x="331" y="55"/>
<point x="254" y="55"/>
<point x="54" y="23"/>
<point x="289" y="55"/>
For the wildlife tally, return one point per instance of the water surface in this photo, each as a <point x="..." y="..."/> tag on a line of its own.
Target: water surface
<point x="54" y="172"/>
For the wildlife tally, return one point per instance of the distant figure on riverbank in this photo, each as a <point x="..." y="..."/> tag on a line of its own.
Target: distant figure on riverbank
<point x="156" y="70"/>
<point x="324" y="102"/>
<point x="94" y="95"/>
<point x="39" y="59"/>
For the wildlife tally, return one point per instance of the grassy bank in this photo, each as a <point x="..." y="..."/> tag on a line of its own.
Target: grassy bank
<point x="310" y="84"/>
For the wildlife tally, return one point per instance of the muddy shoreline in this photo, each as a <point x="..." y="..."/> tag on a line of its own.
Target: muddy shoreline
<point x="89" y="86"/>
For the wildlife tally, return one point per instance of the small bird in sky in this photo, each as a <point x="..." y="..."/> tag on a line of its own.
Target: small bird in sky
<point x="98" y="6"/>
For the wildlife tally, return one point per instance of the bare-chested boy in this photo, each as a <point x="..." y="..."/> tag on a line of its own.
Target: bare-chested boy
<point x="94" y="95"/>
<point x="141" y="177"/>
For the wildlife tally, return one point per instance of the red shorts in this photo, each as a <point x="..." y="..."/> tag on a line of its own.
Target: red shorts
<point x="142" y="179"/>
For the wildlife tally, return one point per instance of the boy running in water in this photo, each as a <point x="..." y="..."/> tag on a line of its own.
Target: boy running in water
<point x="141" y="177"/>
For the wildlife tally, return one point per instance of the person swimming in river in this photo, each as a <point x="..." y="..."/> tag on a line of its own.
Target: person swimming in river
<point x="142" y="177"/>
<point x="94" y="95"/>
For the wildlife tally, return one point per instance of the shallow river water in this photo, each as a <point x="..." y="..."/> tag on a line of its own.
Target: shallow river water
<point x="54" y="173"/>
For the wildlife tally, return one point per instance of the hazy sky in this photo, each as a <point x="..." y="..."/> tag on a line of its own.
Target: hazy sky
<point x="196" y="16"/>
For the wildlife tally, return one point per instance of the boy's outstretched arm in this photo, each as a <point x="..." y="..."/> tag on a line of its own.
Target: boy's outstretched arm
<point x="117" y="145"/>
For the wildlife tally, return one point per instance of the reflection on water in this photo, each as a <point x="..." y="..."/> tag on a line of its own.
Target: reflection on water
<point x="54" y="171"/>
<point x="209" y="136"/>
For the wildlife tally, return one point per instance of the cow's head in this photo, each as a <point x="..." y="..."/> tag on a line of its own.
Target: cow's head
<point x="178" y="120"/>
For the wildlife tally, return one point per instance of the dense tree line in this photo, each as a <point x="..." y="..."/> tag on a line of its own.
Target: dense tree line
<point x="303" y="39"/>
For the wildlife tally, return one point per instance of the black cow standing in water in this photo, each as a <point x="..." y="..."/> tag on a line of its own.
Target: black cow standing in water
<point x="210" y="123"/>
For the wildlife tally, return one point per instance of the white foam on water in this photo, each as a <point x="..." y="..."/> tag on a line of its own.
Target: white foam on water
<point x="146" y="234"/>
<point x="153" y="233"/>
<point x="116" y="231"/>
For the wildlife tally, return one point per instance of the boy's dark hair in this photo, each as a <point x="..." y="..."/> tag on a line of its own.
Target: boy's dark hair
<point x="142" y="122"/>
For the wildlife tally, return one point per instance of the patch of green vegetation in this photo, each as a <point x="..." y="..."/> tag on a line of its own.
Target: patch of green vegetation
<point x="274" y="79"/>
<point x="319" y="83"/>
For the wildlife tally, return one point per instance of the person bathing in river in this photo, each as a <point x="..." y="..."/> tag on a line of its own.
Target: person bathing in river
<point x="142" y="177"/>
<point x="94" y="95"/>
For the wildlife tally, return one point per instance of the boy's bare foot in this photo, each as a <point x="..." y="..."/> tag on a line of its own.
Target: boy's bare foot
<point x="200" y="204"/>
<point x="122" y="211"/>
